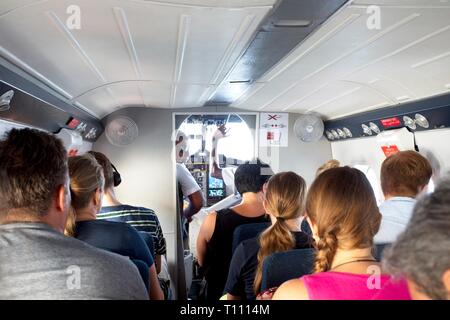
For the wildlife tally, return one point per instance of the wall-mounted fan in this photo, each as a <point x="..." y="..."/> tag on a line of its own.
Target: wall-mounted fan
<point x="5" y="100"/>
<point x="121" y="131"/>
<point x="309" y="127"/>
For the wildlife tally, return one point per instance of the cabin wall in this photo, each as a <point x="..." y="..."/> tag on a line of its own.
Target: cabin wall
<point x="301" y="157"/>
<point x="366" y="151"/>
<point x="147" y="168"/>
<point x="5" y="126"/>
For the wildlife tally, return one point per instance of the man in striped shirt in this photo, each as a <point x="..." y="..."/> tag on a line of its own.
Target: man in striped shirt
<point x="143" y="219"/>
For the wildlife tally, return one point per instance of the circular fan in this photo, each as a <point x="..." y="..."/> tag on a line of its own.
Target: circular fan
<point x="121" y="131"/>
<point x="308" y="128"/>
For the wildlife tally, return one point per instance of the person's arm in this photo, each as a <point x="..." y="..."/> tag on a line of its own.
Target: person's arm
<point x="234" y="287"/>
<point x="231" y="297"/>
<point x="204" y="236"/>
<point x="158" y="263"/>
<point x="190" y="189"/>
<point x="155" y="291"/>
<point x="291" y="290"/>
<point x="214" y="167"/>
<point x="160" y="245"/>
<point x="195" y="204"/>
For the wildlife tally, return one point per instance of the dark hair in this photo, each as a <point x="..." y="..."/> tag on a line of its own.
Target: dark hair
<point x="33" y="164"/>
<point x="403" y="173"/>
<point x="251" y="177"/>
<point x="421" y="252"/>
<point x="107" y="168"/>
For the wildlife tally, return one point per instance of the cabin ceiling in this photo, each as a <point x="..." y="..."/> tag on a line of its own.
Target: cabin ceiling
<point x="129" y="52"/>
<point x="345" y="68"/>
<point x="178" y="53"/>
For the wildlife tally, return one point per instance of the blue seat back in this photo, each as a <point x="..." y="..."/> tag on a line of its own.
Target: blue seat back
<point x="282" y="266"/>
<point x="248" y="231"/>
<point x="148" y="239"/>
<point x="378" y="250"/>
<point x="143" y="271"/>
<point x="306" y="228"/>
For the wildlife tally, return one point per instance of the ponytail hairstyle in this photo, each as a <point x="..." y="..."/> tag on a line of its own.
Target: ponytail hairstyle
<point x="86" y="176"/>
<point x="284" y="199"/>
<point x="342" y="206"/>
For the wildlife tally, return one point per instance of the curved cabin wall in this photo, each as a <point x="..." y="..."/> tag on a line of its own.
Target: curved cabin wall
<point x="147" y="165"/>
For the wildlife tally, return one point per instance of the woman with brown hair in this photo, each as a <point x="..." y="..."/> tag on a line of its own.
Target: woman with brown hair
<point x="86" y="188"/>
<point x="284" y="202"/>
<point x="342" y="211"/>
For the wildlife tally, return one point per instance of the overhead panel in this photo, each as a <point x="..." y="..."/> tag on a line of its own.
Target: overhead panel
<point x="361" y="67"/>
<point x="281" y="32"/>
<point x="129" y="53"/>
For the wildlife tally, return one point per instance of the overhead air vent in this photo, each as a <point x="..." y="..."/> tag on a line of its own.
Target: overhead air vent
<point x="420" y="115"/>
<point x="366" y="129"/>
<point x="329" y="135"/>
<point x="422" y="121"/>
<point x="341" y="133"/>
<point x="410" y="123"/>
<point x="348" y="133"/>
<point x="5" y="100"/>
<point x="374" y="128"/>
<point x="335" y="134"/>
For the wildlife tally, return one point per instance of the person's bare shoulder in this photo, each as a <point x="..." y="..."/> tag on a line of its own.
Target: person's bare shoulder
<point x="291" y="290"/>
<point x="209" y="224"/>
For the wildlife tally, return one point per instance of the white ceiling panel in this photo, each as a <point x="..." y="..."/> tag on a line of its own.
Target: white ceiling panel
<point x="129" y="52"/>
<point x="407" y="58"/>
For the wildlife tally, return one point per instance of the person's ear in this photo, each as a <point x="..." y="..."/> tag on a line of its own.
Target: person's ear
<point x="62" y="198"/>
<point x="446" y="282"/>
<point x="98" y="197"/>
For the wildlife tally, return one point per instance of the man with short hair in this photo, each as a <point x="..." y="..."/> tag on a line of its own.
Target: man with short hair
<point x="143" y="219"/>
<point x="214" y="242"/>
<point x="404" y="175"/>
<point x="36" y="260"/>
<point x="422" y="252"/>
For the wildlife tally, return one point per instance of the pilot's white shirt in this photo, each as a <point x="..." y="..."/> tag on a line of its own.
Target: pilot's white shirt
<point x="396" y="213"/>
<point x="186" y="180"/>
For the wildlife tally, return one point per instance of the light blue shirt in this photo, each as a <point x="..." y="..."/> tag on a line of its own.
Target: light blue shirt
<point x="396" y="214"/>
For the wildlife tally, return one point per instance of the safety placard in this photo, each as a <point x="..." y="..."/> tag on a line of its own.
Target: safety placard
<point x="390" y="150"/>
<point x="274" y="129"/>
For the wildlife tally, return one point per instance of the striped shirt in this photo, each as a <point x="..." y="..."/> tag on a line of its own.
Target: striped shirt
<point x="143" y="219"/>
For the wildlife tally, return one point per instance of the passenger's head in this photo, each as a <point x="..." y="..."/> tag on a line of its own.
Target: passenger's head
<point x="86" y="183"/>
<point x="422" y="252"/>
<point x="330" y="164"/>
<point x="343" y="213"/>
<point x="86" y="187"/>
<point x="405" y="173"/>
<point x="251" y="177"/>
<point x="284" y="200"/>
<point x="33" y="178"/>
<point x="108" y="171"/>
